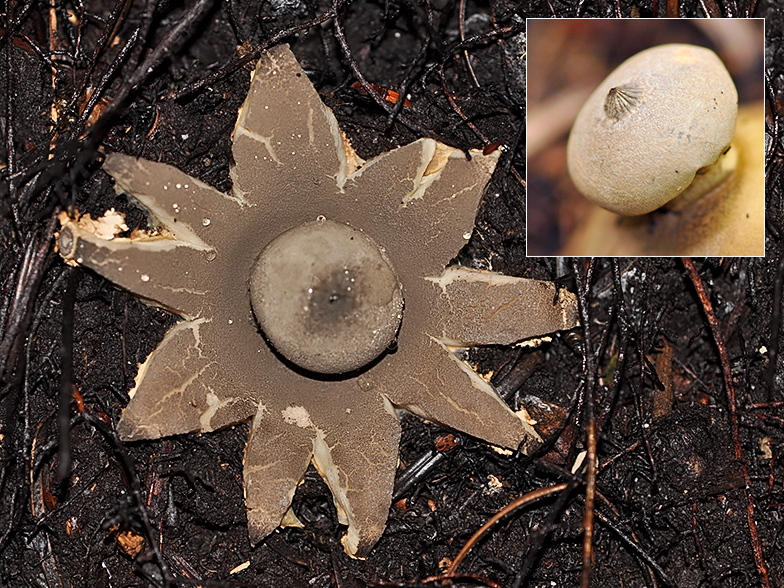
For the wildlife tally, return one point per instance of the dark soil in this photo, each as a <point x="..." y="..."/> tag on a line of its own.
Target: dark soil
<point x="675" y="485"/>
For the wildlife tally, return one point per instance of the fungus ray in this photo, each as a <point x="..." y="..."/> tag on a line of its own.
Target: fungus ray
<point x="470" y="307"/>
<point x="440" y="387"/>
<point x="432" y="194"/>
<point x="193" y="383"/>
<point x="271" y="474"/>
<point x="285" y="135"/>
<point x="161" y="270"/>
<point x="190" y="210"/>
<point x="355" y="451"/>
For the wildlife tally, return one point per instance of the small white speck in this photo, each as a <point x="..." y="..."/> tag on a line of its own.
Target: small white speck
<point x="239" y="568"/>
<point x="178" y="186"/>
<point x="266" y="108"/>
<point x="185" y="137"/>
<point x="165" y="187"/>
<point x="348" y="411"/>
<point x="145" y="278"/>
<point x="186" y="186"/>
<point x="231" y="322"/>
<point x="119" y="269"/>
<point x="176" y="207"/>
<point x="466" y="236"/>
<point x="397" y="34"/>
<point x="205" y="222"/>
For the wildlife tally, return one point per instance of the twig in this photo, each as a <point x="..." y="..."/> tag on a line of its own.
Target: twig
<point x="589" y="370"/>
<point x="66" y="379"/>
<point x="458" y="110"/>
<point x="340" y="35"/>
<point x="726" y="370"/>
<point x="623" y="328"/>
<point x="639" y="551"/>
<point x="118" y="12"/>
<point x="29" y="279"/>
<point x="549" y="524"/>
<point x="511" y="507"/>
<point x="461" y="24"/>
<point x="239" y="62"/>
<point x="774" y="114"/>
<point x="135" y="490"/>
<point x="173" y="38"/>
<point x="775" y="327"/>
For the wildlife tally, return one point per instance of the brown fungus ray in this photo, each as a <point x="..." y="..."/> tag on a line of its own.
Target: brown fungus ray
<point x="411" y="209"/>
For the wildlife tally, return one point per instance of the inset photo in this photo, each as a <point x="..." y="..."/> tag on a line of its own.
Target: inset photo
<point x="645" y="137"/>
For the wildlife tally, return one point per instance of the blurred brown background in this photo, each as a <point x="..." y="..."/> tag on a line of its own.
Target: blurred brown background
<point x="567" y="59"/>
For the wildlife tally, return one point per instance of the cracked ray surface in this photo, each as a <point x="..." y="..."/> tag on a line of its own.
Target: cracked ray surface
<point x="295" y="174"/>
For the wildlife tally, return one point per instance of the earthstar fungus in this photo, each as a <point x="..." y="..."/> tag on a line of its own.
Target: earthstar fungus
<point x="215" y="260"/>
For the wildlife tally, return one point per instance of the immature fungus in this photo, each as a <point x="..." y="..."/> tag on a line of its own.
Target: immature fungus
<point x="656" y="120"/>
<point x="660" y="133"/>
<point x="291" y="291"/>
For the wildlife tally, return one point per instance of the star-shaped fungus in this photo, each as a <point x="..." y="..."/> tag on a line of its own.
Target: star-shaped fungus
<point x="314" y="298"/>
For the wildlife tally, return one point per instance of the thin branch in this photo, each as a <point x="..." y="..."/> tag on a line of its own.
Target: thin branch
<point x="511" y="507"/>
<point x="589" y="371"/>
<point x="726" y="370"/>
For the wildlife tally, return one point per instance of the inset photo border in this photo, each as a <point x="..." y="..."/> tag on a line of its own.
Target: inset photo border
<point x="633" y="143"/>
